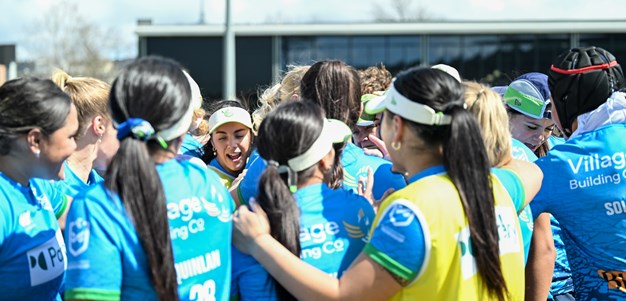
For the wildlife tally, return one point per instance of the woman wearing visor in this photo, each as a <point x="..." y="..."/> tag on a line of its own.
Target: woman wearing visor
<point x="326" y="228"/>
<point x="230" y="145"/>
<point x="528" y="103"/>
<point x="422" y="239"/>
<point x="530" y="118"/>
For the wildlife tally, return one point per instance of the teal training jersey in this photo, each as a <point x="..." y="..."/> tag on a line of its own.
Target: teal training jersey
<point x="107" y="260"/>
<point x="72" y="185"/>
<point x="333" y="230"/>
<point x="32" y="250"/>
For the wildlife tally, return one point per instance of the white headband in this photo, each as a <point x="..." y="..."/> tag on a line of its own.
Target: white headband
<point x="395" y="102"/>
<point x="182" y="126"/>
<point x="334" y="131"/>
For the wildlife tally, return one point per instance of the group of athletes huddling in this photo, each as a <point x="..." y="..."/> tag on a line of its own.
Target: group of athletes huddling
<point x="343" y="184"/>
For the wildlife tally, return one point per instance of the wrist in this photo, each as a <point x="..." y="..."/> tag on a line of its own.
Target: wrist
<point x="260" y="244"/>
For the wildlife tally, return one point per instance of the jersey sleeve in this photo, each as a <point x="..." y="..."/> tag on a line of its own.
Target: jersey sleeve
<point x="513" y="186"/>
<point x="249" y="184"/>
<point x="384" y="179"/>
<point x="400" y="242"/>
<point x="94" y="260"/>
<point x="547" y="193"/>
<point x="250" y="281"/>
<point x="55" y="193"/>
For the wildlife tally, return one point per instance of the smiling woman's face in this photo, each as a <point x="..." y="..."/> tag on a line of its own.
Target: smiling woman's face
<point x="231" y="142"/>
<point x="532" y="132"/>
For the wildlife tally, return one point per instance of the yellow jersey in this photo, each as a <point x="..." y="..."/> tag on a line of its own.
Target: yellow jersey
<point x="421" y="235"/>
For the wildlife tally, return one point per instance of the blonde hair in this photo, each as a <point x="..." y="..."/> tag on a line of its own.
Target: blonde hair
<point x="280" y="92"/>
<point x="203" y="126"/>
<point x="489" y="110"/>
<point x="89" y="95"/>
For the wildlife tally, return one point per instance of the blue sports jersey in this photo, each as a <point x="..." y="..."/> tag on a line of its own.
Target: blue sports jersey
<point x="107" y="260"/>
<point x="554" y="141"/>
<point x="584" y="188"/>
<point x="355" y="165"/>
<point x="333" y="230"/>
<point x="32" y="250"/>
<point x="250" y="182"/>
<point x="521" y="152"/>
<point x="73" y="185"/>
<point x="562" y="282"/>
<point x="191" y="147"/>
<point x="562" y="277"/>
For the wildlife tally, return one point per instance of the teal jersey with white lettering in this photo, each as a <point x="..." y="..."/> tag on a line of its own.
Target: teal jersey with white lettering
<point x="32" y="250"/>
<point x="584" y="188"/>
<point x="521" y="152"/>
<point x="107" y="260"/>
<point x="334" y="225"/>
<point x="72" y="185"/>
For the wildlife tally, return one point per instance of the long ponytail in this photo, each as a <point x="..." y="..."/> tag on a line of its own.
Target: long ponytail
<point x="155" y="90"/>
<point x="471" y="177"/>
<point x="283" y="213"/>
<point x="133" y="176"/>
<point x="473" y="181"/>
<point x="288" y="131"/>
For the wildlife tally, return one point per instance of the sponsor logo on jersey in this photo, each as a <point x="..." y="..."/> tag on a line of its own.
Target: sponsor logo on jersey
<point x="401" y="216"/>
<point x="47" y="261"/>
<point x="79" y="236"/>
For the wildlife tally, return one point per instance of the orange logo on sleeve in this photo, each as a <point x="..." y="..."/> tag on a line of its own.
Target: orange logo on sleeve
<point x="615" y="279"/>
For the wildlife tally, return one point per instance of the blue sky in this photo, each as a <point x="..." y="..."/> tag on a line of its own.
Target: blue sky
<point x="121" y="15"/>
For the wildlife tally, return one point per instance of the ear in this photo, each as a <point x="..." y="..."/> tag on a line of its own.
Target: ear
<point x="34" y="138"/>
<point x="326" y="163"/>
<point x="399" y="126"/>
<point x="98" y="125"/>
<point x="212" y="144"/>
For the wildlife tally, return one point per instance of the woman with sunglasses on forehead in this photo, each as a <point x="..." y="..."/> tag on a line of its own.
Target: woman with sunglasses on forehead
<point x="422" y="239"/>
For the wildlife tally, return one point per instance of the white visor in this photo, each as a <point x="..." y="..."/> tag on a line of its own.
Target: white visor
<point x="334" y="131"/>
<point x="402" y="106"/>
<point x="230" y="114"/>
